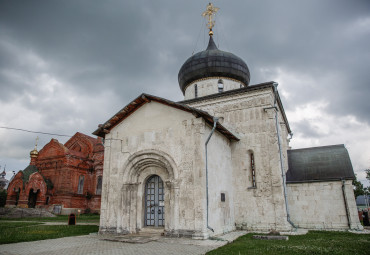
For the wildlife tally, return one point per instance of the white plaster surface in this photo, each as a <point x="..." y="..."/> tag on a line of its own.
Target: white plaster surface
<point x="209" y="86"/>
<point x="168" y="142"/>
<point x="320" y="205"/>
<point x="260" y="208"/>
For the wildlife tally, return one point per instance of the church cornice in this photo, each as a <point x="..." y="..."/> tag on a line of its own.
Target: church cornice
<point x="228" y="93"/>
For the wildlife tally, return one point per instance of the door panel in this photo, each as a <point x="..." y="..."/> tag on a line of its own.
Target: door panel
<point x="154" y="202"/>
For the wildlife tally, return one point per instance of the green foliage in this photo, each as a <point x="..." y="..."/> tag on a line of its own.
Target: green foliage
<point x="367" y="174"/>
<point x="2" y="197"/>
<point x="315" y="242"/>
<point x="358" y="187"/>
<point x="14" y="232"/>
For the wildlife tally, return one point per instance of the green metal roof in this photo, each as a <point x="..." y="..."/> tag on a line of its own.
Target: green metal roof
<point x="324" y="163"/>
<point x="28" y="171"/>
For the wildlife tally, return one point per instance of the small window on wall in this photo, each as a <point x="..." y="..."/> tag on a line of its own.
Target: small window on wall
<point x="81" y="185"/>
<point x="99" y="185"/>
<point x="220" y="86"/>
<point x="196" y="90"/>
<point x="253" y="171"/>
<point x="223" y="198"/>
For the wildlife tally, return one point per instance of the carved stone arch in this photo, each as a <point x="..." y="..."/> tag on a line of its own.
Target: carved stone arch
<point x="138" y="168"/>
<point x="140" y="160"/>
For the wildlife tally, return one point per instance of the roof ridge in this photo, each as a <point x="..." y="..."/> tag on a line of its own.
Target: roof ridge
<point x="317" y="147"/>
<point x="145" y="98"/>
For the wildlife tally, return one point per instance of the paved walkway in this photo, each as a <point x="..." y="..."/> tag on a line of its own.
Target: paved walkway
<point x="91" y="244"/>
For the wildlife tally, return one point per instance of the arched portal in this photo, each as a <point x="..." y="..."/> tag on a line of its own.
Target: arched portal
<point x="32" y="198"/>
<point x="154" y="202"/>
<point x="143" y="170"/>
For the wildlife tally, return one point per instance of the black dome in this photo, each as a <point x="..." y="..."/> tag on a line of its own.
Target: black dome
<point x="213" y="63"/>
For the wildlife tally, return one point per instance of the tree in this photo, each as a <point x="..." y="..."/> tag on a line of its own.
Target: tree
<point x="358" y="187"/>
<point x="367" y="189"/>
<point x="2" y="198"/>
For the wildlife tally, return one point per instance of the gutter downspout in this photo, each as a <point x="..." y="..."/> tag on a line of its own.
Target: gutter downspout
<point x="346" y="203"/>
<point x="281" y="159"/>
<point x="215" y="119"/>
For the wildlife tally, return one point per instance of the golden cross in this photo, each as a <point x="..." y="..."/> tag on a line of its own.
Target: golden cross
<point x="37" y="139"/>
<point x="210" y="12"/>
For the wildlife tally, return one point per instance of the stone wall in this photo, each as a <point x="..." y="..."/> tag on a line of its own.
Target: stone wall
<point x="261" y="207"/>
<point x="209" y="86"/>
<point x="320" y="205"/>
<point x="159" y="140"/>
<point x="172" y="146"/>
<point x="220" y="180"/>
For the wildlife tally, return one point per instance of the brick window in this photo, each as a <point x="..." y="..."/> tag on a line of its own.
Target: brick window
<point x="81" y="185"/>
<point x="196" y="90"/>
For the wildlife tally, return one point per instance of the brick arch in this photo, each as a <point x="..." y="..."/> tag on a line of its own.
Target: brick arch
<point x="76" y="147"/>
<point x="37" y="183"/>
<point x="15" y="185"/>
<point x="81" y="143"/>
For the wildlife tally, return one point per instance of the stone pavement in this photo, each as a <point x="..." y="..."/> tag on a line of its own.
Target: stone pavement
<point x="91" y="244"/>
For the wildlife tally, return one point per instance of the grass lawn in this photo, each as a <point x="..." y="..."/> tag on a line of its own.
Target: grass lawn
<point x="14" y="232"/>
<point x="315" y="242"/>
<point x="83" y="218"/>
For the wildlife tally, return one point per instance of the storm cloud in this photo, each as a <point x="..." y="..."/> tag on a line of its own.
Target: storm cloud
<point x="66" y="66"/>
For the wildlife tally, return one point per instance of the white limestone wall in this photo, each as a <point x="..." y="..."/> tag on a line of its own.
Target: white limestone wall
<point x="320" y="205"/>
<point x="210" y="86"/>
<point x="157" y="139"/>
<point x="260" y="208"/>
<point x="220" y="180"/>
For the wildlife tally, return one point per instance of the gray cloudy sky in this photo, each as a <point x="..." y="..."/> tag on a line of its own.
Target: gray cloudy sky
<point x="66" y="66"/>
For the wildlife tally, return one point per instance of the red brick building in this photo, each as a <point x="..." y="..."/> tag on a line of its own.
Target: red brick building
<point x="63" y="178"/>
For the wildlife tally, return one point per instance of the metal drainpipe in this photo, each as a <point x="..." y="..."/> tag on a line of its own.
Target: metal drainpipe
<point x="346" y="203"/>
<point x="281" y="159"/>
<point x="209" y="137"/>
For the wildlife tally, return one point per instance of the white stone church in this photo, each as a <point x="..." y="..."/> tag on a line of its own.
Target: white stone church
<point x="218" y="161"/>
